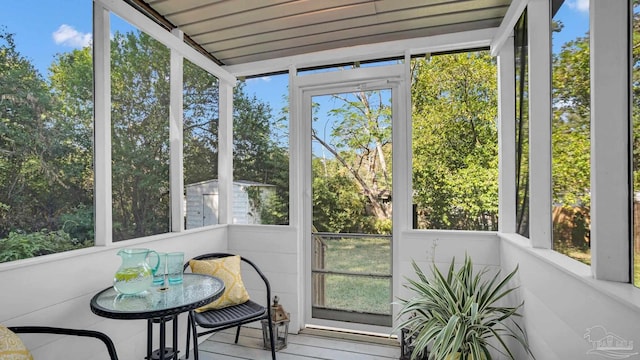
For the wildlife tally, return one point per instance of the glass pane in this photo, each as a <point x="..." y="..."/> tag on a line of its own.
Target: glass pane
<point x="46" y="129"/>
<point x="571" y="146"/>
<point x="200" y="132"/>
<point x="351" y="164"/>
<point x="261" y="151"/>
<point x="636" y="141"/>
<point x="140" y="133"/>
<point x="455" y="142"/>
<point x="521" y="50"/>
<point x="351" y="198"/>
<point x="352" y="273"/>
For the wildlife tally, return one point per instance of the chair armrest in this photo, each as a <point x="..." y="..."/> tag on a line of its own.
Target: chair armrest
<point x="74" y="332"/>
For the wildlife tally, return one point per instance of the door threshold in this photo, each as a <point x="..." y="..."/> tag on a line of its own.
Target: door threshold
<point x="347" y="334"/>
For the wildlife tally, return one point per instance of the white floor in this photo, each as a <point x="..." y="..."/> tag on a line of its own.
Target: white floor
<point x="308" y="344"/>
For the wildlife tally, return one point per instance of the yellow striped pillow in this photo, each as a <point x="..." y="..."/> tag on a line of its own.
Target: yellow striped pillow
<point x="11" y="347"/>
<point x="226" y="269"/>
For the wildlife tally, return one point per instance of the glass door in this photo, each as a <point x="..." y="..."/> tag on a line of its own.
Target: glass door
<point x="351" y="203"/>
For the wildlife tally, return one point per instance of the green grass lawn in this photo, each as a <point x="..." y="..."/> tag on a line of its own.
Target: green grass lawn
<point x="358" y="294"/>
<point x="369" y="255"/>
<point x="363" y="255"/>
<point x="580" y="254"/>
<point x="584" y="256"/>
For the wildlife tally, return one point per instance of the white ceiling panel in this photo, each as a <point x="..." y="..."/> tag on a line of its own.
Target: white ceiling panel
<point x="238" y="31"/>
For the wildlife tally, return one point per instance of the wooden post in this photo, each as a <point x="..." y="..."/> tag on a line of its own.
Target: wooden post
<point x="319" y="280"/>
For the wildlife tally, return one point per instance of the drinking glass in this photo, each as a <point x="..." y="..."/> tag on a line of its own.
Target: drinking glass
<point x="158" y="275"/>
<point x="175" y="261"/>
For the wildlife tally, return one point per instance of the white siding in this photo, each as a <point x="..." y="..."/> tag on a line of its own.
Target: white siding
<point x="195" y="203"/>
<point x="198" y="210"/>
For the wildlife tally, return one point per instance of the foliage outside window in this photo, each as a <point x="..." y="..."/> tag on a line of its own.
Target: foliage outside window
<point x="521" y="50"/>
<point x="260" y="156"/>
<point x="200" y="148"/>
<point x="140" y="135"/>
<point x="351" y="162"/>
<point x="635" y="92"/>
<point x="455" y="146"/>
<point x="571" y="146"/>
<point x="46" y="150"/>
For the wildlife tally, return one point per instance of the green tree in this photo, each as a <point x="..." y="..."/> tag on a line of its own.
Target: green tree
<point x="571" y="144"/>
<point x="259" y="155"/>
<point x="360" y="142"/>
<point x="635" y="88"/>
<point x="46" y="147"/>
<point x="338" y="203"/>
<point x="45" y="159"/>
<point x="455" y="163"/>
<point x="200" y="128"/>
<point x="140" y="135"/>
<point x="71" y="79"/>
<point x="635" y="92"/>
<point x="32" y="147"/>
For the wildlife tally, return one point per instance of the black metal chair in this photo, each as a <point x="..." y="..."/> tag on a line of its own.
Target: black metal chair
<point x="63" y="331"/>
<point x="232" y="316"/>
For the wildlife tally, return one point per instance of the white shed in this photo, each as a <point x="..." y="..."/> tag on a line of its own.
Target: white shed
<point x="202" y="203"/>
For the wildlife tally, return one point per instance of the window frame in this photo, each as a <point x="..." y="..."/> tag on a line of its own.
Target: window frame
<point x="611" y="226"/>
<point x="102" y="116"/>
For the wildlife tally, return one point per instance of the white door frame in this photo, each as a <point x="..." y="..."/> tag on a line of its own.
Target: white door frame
<point x="303" y="89"/>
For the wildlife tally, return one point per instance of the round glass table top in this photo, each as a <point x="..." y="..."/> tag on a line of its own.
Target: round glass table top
<point x="196" y="290"/>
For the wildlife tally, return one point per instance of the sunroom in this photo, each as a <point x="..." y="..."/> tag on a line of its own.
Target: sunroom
<point x="332" y="143"/>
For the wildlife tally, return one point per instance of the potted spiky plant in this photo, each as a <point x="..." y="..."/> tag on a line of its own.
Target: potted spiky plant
<point x="458" y="315"/>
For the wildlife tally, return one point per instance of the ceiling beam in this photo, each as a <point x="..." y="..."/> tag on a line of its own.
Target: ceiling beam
<point x="506" y="27"/>
<point x="430" y="44"/>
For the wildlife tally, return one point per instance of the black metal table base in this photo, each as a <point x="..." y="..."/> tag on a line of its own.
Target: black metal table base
<point x="163" y="352"/>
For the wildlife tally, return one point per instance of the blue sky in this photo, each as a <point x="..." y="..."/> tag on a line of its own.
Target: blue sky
<point x="43" y="28"/>
<point x="574" y="14"/>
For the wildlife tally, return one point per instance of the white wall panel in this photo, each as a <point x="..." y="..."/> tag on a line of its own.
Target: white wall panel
<point x="442" y="246"/>
<point x="562" y="301"/>
<point x="439" y="247"/>
<point x="274" y="249"/>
